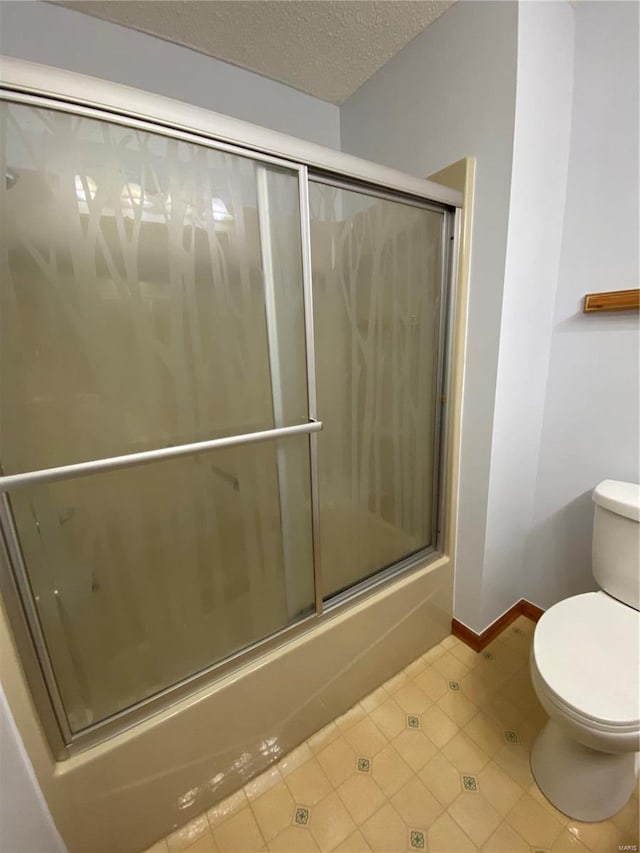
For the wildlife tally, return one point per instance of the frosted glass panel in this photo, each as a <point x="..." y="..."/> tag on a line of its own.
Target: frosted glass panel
<point x="377" y="289"/>
<point x="133" y="291"/>
<point x="144" y="576"/>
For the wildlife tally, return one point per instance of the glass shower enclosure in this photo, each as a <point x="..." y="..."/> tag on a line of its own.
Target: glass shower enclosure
<point x="220" y="400"/>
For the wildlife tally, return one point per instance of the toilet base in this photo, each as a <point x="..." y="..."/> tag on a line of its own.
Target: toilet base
<point x="582" y="783"/>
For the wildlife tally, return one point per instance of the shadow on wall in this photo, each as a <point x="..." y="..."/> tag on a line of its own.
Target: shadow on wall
<point x="563" y="557"/>
<point x="582" y="323"/>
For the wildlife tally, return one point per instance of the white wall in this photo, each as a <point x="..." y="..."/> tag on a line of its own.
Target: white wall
<point x="591" y="426"/>
<point x="56" y="36"/>
<point x="536" y="211"/>
<point x="25" y="822"/>
<point x="448" y="94"/>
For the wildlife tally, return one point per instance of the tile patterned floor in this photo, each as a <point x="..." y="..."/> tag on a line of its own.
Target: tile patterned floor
<point x="437" y="759"/>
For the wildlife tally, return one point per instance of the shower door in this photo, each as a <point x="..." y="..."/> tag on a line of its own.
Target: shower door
<point x="379" y="280"/>
<point x="154" y="415"/>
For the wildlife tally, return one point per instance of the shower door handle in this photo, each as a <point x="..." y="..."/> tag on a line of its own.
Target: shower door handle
<point x="81" y="469"/>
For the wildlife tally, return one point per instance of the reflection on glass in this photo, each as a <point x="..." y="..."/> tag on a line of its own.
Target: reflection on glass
<point x="146" y="575"/>
<point x="376" y="281"/>
<point x="133" y="291"/>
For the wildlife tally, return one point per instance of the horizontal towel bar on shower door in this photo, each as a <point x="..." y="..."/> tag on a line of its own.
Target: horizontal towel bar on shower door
<point x="95" y="466"/>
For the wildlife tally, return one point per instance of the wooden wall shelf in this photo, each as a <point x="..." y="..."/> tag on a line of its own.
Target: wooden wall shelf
<point x="613" y="300"/>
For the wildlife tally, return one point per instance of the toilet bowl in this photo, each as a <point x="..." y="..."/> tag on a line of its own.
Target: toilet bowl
<point x="585" y="670"/>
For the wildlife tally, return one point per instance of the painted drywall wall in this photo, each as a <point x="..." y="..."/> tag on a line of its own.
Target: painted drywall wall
<point x="61" y="37"/>
<point x="448" y="94"/>
<point x="591" y="423"/>
<point x="536" y="211"/>
<point x="25" y="822"/>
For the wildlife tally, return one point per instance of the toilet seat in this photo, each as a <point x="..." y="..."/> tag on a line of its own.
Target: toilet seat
<point x="571" y="653"/>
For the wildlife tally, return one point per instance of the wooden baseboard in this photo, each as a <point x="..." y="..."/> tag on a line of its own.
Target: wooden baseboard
<point x="478" y="641"/>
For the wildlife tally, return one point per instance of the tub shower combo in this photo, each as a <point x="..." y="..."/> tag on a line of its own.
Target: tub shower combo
<point x="221" y="397"/>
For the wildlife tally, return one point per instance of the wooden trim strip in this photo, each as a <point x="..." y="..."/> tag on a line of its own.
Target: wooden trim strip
<point x="612" y="300"/>
<point x="531" y="611"/>
<point x="477" y="642"/>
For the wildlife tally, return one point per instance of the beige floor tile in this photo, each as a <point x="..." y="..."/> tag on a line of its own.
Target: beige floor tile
<point x="390" y="770"/>
<point x="504" y="711"/>
<point x="323" y="737"/>
<point x="385" y="831"/>
<point x="371" y="702"/>
<point x="389" y="718"/>
<point x="475" y="688"/>
<point x="412" y="699"/>
<point x="330" y="823"/>
<point x="566" y="842"/>
<point x="239" y="834"/>
<point x="228" y="807"/>
<point x="415" y="667"/>
<point x="294" y="759"/>
<point x="159" y="847"/>
<point x="260" y="784"/>
<point x="597" y="837"/>
<point x="451" y="667"/>
<point x="433" y="683"/>
<point x="338" y="760"/>
<point x="499" y="788"/>
<point x="350" y="718"/>
<point x="464" y="754"/>
<point x="514" y="760"/>
<point x="273" y="811"/>
<point x="627" y="818"/>
<point x="366" y="738"/>
<point x="415" y="747"/>
<point x="457" y="707"/>
<point x="520" y="690"/>
<point x="415" y="804"/>
<point x="205" y="844"/>
<point x="355" y="843"/>
<point x="395" y="683"/>
<point x="476" y="816"/>
<point x="362" y="797"/>
<point x="449" y="642"/>
<point x="308" y="784"/>
<point x="528" y="730"/>
<point x="294" y="839"/>
<point x="442" y="779"/>
<point x="534" y="823"/>
<point x="433" y="654"/>
<point x="506" y="840"/>
<point x="437" y="726"/>
<point x="445" y="836"/>
<point x="485" y="732"/>
<point x="467" y="655"/>
<point x="188" y="834"/>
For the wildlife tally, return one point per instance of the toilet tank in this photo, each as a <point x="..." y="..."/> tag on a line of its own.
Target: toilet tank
<point x="616" y="540"/>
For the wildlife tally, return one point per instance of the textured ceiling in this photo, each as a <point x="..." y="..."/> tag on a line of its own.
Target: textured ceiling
<point x="326" y="48"/>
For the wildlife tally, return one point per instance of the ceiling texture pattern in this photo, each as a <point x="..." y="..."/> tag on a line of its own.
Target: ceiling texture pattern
<point x="326" y="48"/>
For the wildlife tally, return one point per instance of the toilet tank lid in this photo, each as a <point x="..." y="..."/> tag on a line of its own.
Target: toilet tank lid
<point x="621" y="498"/>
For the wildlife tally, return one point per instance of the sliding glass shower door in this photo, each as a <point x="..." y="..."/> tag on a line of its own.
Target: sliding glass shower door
<point x="151" y="300"/>
<point x="179" y="318"/>
<point x="377" y="291"/>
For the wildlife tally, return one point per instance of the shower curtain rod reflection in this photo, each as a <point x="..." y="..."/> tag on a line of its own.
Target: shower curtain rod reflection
<point x="81" y="469"/>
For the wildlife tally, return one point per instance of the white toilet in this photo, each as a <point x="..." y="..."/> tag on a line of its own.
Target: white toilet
<point x="585" y="668"/>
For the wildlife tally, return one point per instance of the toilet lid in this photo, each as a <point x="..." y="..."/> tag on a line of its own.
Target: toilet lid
<point x="587" y="650"/>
